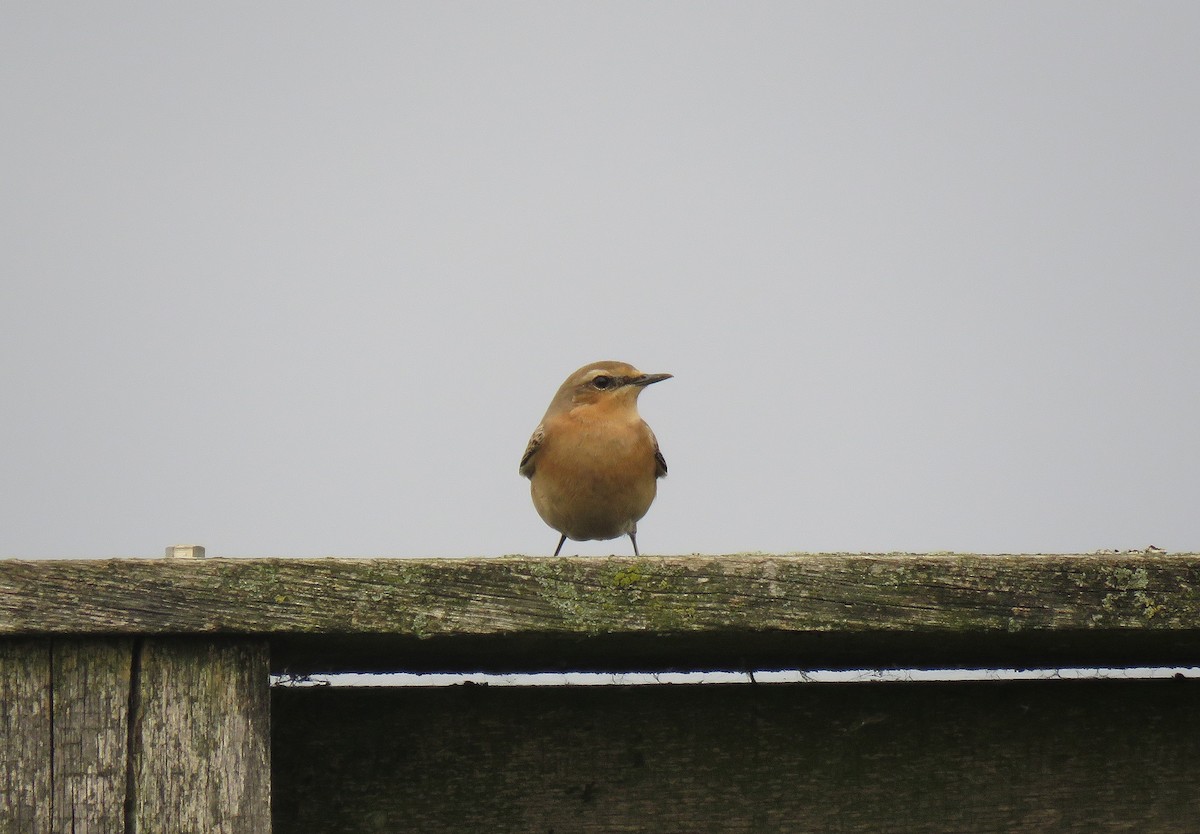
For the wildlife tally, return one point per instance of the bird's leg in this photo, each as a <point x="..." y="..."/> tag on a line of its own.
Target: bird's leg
<point x="560" y="544"/>
<point x="633" y="538"/>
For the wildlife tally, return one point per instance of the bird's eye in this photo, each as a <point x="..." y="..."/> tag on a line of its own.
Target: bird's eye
<point x="602" y="382"/>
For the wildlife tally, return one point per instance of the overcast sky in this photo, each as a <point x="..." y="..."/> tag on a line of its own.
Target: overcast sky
<point x="301" y="278"/>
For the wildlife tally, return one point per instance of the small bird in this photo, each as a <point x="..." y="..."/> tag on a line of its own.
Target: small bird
<point x="593" y="464"/>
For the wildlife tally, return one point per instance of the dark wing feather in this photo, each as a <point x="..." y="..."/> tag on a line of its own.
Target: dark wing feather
<point x="660" y="463"/>
<point x="535" y="443"/>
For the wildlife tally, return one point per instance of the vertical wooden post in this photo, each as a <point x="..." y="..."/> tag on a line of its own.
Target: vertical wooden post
<point x="25" y="736"/>
<point x="91" y="734"/>
<point x="201" y="738"/>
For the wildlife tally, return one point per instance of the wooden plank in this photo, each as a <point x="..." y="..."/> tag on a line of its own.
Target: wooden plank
<point x="91" y="734"/>
<point x="25" y="740"/>
<point x="1064" y="756"/>
<point x="737" y="611"/>
<point x="201" y="755"/>
<point x="585" y="596"/>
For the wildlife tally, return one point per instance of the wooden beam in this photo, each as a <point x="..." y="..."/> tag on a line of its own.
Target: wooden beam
<point x="736" y="611"/>
<point x="585" y="596"/>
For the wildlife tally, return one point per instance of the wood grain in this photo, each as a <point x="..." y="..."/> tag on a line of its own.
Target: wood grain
<point x="134" y="695"/>
<point x="25" y="737"/>
<point x="1002" y="758"/>
<point x="202" y="739"/>
<point x="91" y="734"/>
<point x="587" y="596"/>
<point x="736" y="611"/>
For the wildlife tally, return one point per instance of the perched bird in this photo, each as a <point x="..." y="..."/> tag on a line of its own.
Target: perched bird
<point x="593" y="464"/>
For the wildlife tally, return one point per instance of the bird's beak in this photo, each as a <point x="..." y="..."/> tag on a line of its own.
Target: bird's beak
<point x="648" y="379"/>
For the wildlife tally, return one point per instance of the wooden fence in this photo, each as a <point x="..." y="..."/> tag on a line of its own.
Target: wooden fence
<point x="136" y="695"/>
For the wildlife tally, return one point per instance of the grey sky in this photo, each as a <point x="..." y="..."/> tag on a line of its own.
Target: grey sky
<point x="300" y="279"/>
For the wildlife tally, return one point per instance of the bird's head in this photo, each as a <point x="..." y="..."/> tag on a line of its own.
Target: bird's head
<point x="604" y="384"/>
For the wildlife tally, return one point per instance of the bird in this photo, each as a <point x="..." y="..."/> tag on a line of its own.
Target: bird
<point x="593" y="464"/>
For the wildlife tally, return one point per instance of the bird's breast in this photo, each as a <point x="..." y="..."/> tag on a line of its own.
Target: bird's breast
<point x="595" y="478"/>
<point x="604" y="447"/>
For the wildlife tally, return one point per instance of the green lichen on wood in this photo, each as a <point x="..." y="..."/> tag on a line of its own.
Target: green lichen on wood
<point x="745" y="593"/>
<point x="617" y="594"/>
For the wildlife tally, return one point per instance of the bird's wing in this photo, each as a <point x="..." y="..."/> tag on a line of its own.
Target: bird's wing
<point x="660" y="463"/>
<point x="535" y="443"/>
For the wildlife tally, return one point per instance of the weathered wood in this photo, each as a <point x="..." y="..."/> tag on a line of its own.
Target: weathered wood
<point x="177" y="692"/>
<point x="91" y="734"/>
<point x="738" y="611"/>
<point x="25" y="737"/>
<point x="1064" y="756"/>
<point x="202" y="724"/>
<point x="584" y="596"/>
<point x="201" y="755"/>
